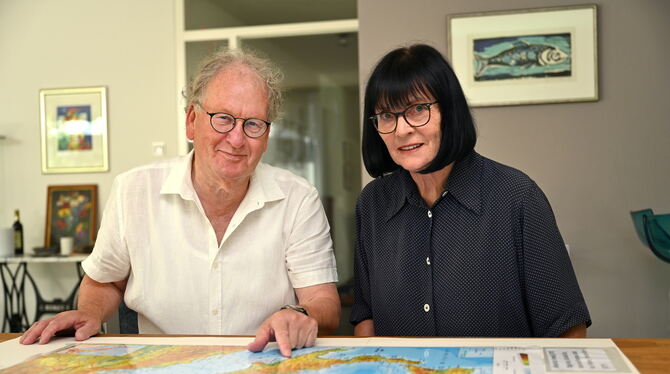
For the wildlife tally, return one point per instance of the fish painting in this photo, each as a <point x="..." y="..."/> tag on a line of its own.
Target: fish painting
<point x="536" y="56"/>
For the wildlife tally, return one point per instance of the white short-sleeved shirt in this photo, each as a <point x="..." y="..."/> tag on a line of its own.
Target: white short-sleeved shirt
<point x="154" y="232"/>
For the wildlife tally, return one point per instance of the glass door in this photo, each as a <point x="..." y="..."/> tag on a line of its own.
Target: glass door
<point x="318" y="135"/>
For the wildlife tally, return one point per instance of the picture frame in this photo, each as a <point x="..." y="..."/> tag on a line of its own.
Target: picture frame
<point x="72" y="211"/>
<point x="74" y="130"/>
<point x="530" y="56"/>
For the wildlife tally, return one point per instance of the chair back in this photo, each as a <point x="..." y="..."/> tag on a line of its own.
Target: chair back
<point x="127" y="320"/>
<point x="654" y="231"/>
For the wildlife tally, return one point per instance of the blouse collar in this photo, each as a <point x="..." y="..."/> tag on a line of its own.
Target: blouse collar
<point x="464" y="184"/>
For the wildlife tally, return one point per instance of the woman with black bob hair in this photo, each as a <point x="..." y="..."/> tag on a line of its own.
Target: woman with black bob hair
<point x="450" y="243"/>
<point x="417" y="71"/>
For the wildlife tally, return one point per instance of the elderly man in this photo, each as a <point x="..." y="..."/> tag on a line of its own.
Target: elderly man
<point x="214" y="242"/>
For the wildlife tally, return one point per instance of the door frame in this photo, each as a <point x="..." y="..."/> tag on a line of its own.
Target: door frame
<point x="234" y="36"/>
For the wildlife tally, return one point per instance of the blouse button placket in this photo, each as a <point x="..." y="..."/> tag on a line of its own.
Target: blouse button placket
<point x="428" y="299"/>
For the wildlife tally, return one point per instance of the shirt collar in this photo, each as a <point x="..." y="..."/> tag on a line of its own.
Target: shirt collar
<point x="179" y="179"/>
<point x="402" y="190"/>
<point x="262" y="187"/>
<point x="464" y="184"/>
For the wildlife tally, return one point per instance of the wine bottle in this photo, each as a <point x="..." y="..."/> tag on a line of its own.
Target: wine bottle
<point x="18" y="234"/>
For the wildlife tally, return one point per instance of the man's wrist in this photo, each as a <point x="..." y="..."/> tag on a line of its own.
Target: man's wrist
<point x="92" y="313"/>
<point x="297" y="308"/>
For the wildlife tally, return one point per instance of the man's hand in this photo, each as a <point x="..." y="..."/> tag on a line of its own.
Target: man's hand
<point x="84" y="325"/>
<point x="289" y="328"/>
<point x="292" y="329"/>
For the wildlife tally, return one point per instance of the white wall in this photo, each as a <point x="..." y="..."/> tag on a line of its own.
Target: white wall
<point x="595" y="161"/>
<point x="127" y="46"/>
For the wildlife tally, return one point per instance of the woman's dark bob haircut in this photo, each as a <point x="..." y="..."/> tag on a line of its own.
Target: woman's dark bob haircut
<point x="403" y="76"/>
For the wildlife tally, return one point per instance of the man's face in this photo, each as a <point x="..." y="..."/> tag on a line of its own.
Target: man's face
<point x="232" y="156"/>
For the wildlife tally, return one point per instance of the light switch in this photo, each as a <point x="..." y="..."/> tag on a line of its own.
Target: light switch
<point x="158" y="148"/>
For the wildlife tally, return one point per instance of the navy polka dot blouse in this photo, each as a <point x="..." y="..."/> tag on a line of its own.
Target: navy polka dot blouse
<point x="486" y="259"/>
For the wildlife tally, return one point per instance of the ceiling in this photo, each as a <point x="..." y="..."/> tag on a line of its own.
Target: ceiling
<point x="265" y="12"/>
<point x="305" y="60"/>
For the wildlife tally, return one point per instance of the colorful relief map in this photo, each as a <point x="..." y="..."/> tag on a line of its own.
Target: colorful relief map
<point x="132" y="359"/>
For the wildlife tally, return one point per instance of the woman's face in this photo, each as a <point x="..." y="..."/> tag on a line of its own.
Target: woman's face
<point x="413" y="148"/>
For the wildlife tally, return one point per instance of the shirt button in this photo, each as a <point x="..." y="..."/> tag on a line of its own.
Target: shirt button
<point x="428" y="260"/>
<point x="426" y="308"/>
<point x="430" y="214"/>
<point x="216" y="265"/>
<point x="215" y="312"/>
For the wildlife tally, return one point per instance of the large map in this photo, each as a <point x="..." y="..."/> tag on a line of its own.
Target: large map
<point x="141" y="358"/>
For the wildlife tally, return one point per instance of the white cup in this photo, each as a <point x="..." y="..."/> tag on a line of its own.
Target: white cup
<point x="66" y="244"/>
<point x="6" y="242"/>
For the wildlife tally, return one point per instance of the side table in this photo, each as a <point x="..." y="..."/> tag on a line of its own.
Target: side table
<point x="14" y="285"/>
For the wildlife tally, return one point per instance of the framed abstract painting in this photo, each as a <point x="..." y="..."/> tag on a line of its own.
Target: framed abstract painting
<point x="74" y="130"/>
<point x="72" y="212"/>
<point x="530" y="56"/>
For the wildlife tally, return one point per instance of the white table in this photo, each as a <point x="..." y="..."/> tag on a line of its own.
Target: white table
<point x="14" y="285"/>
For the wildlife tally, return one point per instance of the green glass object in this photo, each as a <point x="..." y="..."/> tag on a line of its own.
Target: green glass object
<point x="654" y="231"/>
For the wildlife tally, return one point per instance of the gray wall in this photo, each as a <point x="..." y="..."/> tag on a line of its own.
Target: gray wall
<point x="595" y="161"/>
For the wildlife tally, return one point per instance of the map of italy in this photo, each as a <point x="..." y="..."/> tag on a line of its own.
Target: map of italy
<point x="137" y="358"/>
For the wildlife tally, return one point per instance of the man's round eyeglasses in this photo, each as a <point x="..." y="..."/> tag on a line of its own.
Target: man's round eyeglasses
<point x="224" y="123"/>
<point x="415" y="115"/>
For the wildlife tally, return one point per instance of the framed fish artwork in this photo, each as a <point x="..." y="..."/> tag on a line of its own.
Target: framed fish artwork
<point x="531" y="56"/>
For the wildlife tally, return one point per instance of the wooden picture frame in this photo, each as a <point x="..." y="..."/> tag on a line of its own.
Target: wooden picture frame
<point x="74" y="130"/>
<point x="527" y="56"/>
<point x="72" y="211"/>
